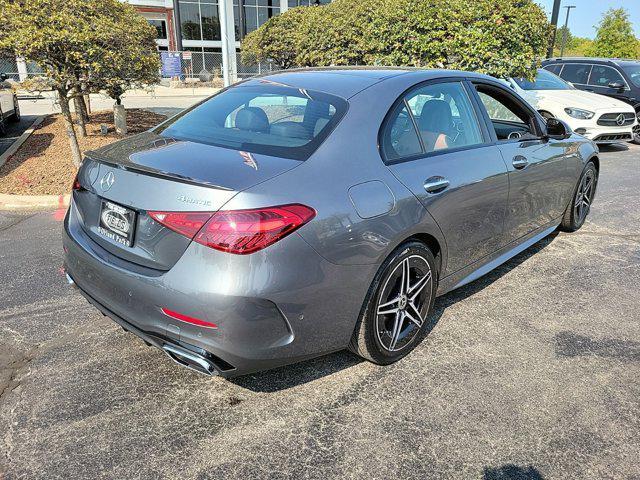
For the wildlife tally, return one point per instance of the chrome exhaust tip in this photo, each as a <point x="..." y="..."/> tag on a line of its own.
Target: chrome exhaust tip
<point x="190" y="360"/>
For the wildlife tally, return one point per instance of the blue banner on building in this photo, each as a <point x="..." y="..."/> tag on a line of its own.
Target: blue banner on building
<point x="171" y="64"/>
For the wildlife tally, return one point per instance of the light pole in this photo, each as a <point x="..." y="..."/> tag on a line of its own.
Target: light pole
<point x="554" y="23"/>
<point x="564" y="33"/>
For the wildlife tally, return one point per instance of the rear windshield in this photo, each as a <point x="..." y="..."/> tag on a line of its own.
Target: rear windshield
<point x="268" y="119"/>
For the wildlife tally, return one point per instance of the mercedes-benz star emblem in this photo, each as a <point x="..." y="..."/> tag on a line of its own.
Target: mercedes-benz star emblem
<point x="620" y="119"/>
<point x="107" y="181"/>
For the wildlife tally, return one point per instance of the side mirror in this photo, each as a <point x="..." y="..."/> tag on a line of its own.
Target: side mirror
<point x="617" y="85"/>
<point x="557" y="129"/>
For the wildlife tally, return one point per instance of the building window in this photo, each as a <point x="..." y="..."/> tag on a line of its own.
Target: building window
<point x="257" y="12"/>
<point x="307" y="3"/>
<point x="199" y="20"/>
<point x="161" y="28"/>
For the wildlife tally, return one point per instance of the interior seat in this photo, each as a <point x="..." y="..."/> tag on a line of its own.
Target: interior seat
<point x="252" y="119"/>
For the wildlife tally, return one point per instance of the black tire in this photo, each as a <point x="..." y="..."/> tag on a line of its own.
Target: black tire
<point x="3" y="126"/>
<point x="583" y="195"/>
<point x="374" y="334"/>
<point x="636" y="134"/>
<point x="15" y="118"/>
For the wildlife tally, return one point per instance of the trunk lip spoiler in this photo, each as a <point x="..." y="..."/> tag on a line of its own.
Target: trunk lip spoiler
<point x="156" y="173"/>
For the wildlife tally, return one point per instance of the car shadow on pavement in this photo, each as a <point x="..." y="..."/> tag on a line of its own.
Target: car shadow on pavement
<point x="289" y="376"/>
<point x="512" y="472"/>
<point x="614" y="147"/>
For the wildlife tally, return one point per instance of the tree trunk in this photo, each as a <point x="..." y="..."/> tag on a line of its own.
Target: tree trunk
<point x="83" y="109"/>
<point x="120" y="119"/>
<point x="77" y="104"/>
<point x="76" y="154"/>
<point x="87" y="102"/>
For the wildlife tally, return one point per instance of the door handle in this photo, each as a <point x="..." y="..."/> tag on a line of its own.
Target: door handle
<point x="435" y="184"/>
<point x="519" y="162"/>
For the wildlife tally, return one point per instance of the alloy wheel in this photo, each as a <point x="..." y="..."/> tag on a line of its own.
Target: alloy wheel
<point x="403" y="303"/>
<point x="584" y="196"/>
<point x="636" y="133"/>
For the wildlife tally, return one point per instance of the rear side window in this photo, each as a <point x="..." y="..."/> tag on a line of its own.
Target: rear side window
<point x="431" y="118"/>
<point x="268" y="119"/>
<point x="602" y="76"/>
<point x="576" y="73"/>
<point x="554" y="68"/>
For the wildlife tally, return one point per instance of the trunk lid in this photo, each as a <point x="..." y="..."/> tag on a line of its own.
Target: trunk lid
<point x="149" y="172"/>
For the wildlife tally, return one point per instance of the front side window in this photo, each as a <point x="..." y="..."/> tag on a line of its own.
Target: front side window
<point x="602" y="76"/>
<point x="431" y="118"/>
<point x="576" y="73"/>
<point x="272" y="120"/>
<point x="510" y="120"/>
<point x="543" y="81"/>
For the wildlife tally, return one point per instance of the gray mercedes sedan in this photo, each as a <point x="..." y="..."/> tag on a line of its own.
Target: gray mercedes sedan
<point x="310" y="211"/>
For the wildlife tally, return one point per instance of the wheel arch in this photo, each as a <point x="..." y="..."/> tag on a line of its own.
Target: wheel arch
<point x="432" y="243"/>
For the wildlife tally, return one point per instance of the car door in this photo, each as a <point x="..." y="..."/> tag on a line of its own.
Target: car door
<point x="608" y="81"/>
<point x="540" y="176"/>
<point x="435" y="144"/>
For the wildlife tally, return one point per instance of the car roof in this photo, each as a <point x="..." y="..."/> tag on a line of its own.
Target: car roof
<point x="615" y="61"/>
<point x="347" y="81"/>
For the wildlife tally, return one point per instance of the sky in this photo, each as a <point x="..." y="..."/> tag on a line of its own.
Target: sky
<point x="589" y="12"/>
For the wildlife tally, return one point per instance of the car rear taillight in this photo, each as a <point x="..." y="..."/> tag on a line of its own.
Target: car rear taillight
<point x="76" y="184"/>
<point x="238" y="231"/>
<point x="184" y="223"/>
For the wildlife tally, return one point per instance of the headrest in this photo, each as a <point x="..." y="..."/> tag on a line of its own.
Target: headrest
<point x="436" y="117"/>
<point x="252" y="119"/>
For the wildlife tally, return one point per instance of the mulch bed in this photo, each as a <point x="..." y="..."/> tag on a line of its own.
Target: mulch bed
<point x="43" y="166"/>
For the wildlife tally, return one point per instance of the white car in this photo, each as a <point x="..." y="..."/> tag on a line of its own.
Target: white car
<point x="599" y="118"/>
<point x="9" y="109"/>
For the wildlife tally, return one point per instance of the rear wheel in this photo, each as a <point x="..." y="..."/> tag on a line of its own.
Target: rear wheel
<point x="580" y="205"/>
<point x="397" y="305"/>
<point x="15" y="118"/>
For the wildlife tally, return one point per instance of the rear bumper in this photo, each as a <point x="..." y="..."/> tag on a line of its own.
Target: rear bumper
<point x="271" y="308"/>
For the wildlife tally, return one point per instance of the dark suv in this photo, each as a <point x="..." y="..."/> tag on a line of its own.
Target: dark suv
<point x="612" y="77"/>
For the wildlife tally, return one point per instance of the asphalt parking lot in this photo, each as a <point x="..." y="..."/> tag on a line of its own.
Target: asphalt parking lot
<point x="532" y="372"/>
<point x="14" y="130"/>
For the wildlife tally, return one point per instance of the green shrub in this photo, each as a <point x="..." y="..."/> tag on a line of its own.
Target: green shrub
<point x="497" y="37"/>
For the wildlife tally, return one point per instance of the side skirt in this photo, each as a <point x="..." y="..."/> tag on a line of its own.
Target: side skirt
<point x="482" y="267"/>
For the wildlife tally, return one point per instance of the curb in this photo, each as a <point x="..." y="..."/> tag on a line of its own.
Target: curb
<point x="21" y="139"/>
<point x="34" y="202"/>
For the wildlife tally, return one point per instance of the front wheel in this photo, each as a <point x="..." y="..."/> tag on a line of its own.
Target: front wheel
<point x="397" y="305"/>
<point x="636" y="134"/>
<point x="580" y="205"/>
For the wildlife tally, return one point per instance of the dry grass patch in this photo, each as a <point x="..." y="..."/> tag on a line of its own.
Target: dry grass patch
<point x="43" y="166"/>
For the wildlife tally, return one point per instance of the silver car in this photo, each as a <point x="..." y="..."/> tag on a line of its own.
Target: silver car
<point x="310" y="211"/>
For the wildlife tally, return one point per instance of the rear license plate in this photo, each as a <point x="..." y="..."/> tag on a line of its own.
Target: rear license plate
<point x="117" y="223"/>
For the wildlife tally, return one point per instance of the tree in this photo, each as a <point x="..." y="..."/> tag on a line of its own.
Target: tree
<point x="499" y="37"/>
<point x="575" y="46"/>
<point x="82" y="45"/>
<point x="615" y="37"/>
<point x="276" y="40"/>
